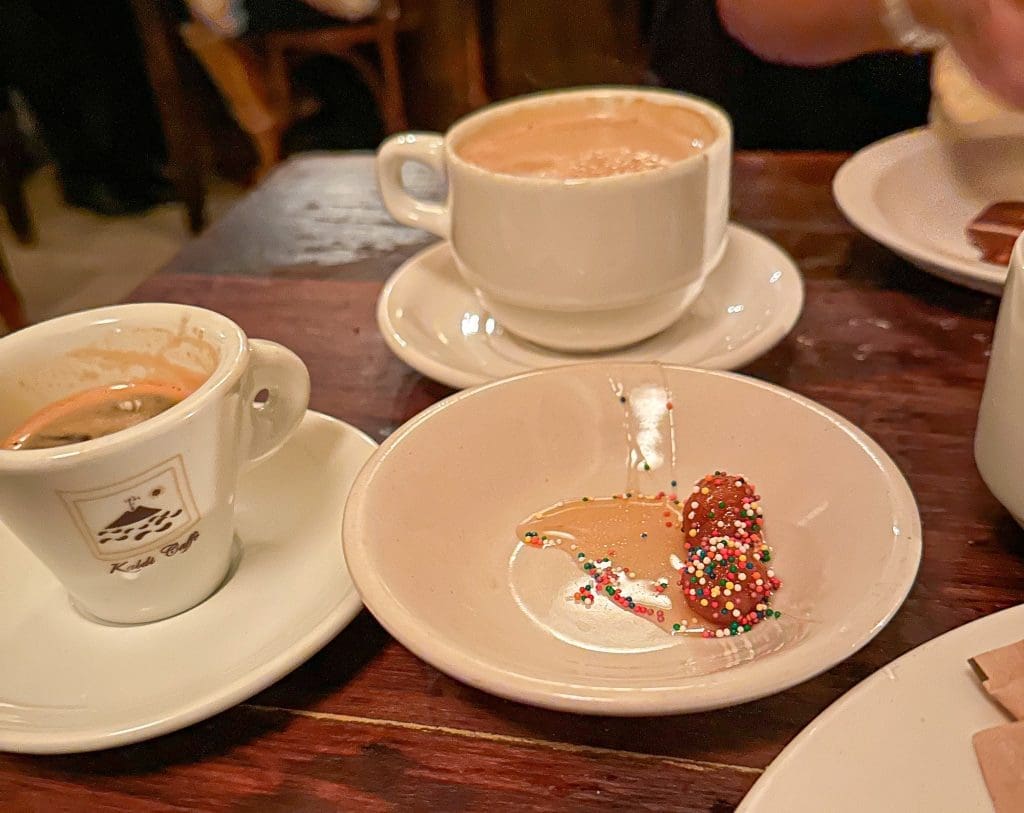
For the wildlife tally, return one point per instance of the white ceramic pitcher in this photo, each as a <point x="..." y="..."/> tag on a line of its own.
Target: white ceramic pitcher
<point x="999" y="441"/>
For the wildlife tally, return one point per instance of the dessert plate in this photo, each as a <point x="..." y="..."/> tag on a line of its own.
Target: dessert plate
<point x="68" y="684"/>
<point x="430" y="535"/>
<point x="901" y="192"/>
<point x="901" y="740"/>
<point x="434" y="322"/>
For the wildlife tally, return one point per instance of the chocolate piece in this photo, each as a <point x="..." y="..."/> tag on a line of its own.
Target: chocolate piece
<point x="1000" y="753"/>
<point x="1002" y="674"/>
<point x="996" y="229"/>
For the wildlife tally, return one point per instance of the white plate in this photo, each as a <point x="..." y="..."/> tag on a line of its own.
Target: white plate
<point x="434" y="322"/>
<point x="901" y="740"/>
<point x="68" y="684"/>
<point x="900" y="191"/>
<point x="430" y="535"/>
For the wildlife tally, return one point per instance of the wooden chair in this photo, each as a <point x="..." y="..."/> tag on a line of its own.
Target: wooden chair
<point x="10" y="303"/>
<point x="185" y="160"/>
<point x="14" y="162"/>
<point x="253" y="74"/>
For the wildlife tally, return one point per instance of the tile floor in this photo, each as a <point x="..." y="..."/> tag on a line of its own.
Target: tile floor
<point x="82" y="260"/>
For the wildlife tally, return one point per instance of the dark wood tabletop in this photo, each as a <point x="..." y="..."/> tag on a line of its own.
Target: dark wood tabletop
<point x="365" y="724"/>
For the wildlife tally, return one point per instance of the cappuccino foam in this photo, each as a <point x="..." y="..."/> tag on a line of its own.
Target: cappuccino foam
<point x="587" y="138"/>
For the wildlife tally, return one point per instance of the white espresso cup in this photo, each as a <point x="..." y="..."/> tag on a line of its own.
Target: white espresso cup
<point x="577" y="264"/>
<point x="999" y="440"/>
<point x="138" y="524"/>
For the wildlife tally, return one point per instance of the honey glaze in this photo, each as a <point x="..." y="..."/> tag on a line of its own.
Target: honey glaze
<point x="628" y="547"/>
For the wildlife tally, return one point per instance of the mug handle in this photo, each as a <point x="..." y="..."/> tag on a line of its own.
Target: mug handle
<point x="268" y="424"/>
<point x="420" y="148"/>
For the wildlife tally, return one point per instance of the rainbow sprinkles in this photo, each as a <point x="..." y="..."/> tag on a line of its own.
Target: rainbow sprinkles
<point x="696" y="565"/>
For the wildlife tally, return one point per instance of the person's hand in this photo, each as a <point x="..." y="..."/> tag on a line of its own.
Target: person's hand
<point x="988" y="35"/>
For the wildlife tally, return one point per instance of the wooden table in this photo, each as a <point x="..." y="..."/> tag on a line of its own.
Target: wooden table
<point x="365" y="724"/>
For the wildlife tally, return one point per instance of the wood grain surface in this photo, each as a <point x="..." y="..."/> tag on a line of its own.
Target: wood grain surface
<point x="366" y="725"/>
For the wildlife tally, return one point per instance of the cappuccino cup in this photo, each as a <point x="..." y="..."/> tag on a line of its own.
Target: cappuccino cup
<point x="584" y="219"/>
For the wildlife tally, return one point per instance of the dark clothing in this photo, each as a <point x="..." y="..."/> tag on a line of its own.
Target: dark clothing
<point x="283" y="15"/>
<point x="840" y="107"/>
<point x="80" y="69"/>
<point x="347" y="117"/>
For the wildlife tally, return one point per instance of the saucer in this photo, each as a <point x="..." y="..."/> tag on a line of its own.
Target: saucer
<point x="901" y="739"/>
<point x="434" y="322"/>
<point x="68" y="684"/>
<point x="430" y="535"/>
<point x="901" y="192"/>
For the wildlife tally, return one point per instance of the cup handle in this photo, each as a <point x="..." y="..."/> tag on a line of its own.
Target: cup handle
<point x="268" y="424"/>
<point x="420" y="148"/>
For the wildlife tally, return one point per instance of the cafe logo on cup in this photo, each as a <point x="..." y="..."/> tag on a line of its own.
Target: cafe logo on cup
<point x="135" y="515"/>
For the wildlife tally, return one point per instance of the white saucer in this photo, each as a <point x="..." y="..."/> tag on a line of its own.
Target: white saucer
<point x="68" y="684"/>
<point x="430" y="535"/>
<point x="900" y="191"/>
<point x="434" y="322"/>
<point x="901" y="740"/>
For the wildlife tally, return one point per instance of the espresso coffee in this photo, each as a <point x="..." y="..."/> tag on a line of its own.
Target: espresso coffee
<point x="587" y="138"/>
<point x="95" y="413"/>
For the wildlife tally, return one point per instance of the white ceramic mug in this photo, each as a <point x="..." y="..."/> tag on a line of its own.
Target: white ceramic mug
<point x="999" y="440"/>
<point x="138" y="524"/>
<point x="579" y="264"/>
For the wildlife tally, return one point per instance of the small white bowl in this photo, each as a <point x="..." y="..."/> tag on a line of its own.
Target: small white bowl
<point x="430" y="535"/>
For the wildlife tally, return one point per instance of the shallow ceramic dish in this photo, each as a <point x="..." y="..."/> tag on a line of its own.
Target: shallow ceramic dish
<point x="430" y="534"/>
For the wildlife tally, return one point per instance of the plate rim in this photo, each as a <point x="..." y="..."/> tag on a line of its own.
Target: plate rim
<point x="762" y="786"/>
<point x="851" y="187"/>
<point x="460" y="378"/>
<point x="467" y="668"/>
<point x="95" y="738"/>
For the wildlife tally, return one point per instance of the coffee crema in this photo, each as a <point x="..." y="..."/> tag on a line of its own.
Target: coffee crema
<point x="95" y="413"/>
<point x="587" y="138"/>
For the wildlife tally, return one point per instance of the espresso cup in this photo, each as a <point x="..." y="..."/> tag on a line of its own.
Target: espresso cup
<point x="138" y="524"/>
<point x="999" y="439"/>
<point x="576" y="264"/>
